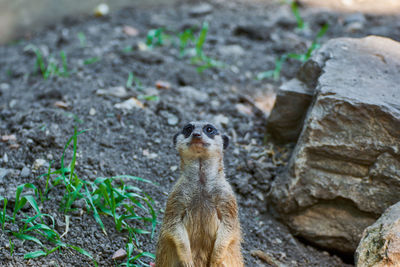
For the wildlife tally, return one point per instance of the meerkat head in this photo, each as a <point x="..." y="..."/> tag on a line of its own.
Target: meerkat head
<point x="199" y="140"/>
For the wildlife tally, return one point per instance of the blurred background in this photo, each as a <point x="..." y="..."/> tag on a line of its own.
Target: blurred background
<point x="17" y="17"/>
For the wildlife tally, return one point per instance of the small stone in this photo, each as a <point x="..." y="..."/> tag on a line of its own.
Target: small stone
<point x="101" y="10"/>
<point x="173" y="168"/>
<point x="13" y="146"/>
<point x="12" y="103"/>
<point x="194" y="94"/>
<point x="7" y="138"/>
<point x="129" y="104"/>
<point x="4" y="86"/>
<point x="163" y="85"/>
<point x="25" y="172"/>
<point x="354" y="27"/>
<point x="92" y="112"/>
<point x="61" y="104"/>
<point x="119" y="254"/>
<point x="118" y="91"/>
<point x="231" y="50"/>
<point x="149" y="57"/>
<point x="221" y="120"/>
<point x="149" y="155"/>
<point x="130" y="31"/>
<point x="3" y="174"/>
<point x="201" y="10"/>
<point x="5" y="158"/>
<point x="244" y="109"/>
<point x="142" y="46"/>
<point x="38" y="163"/>
<point x="171" y="118"/>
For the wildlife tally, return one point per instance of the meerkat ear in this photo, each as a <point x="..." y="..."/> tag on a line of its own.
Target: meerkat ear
<point x="175" y="137"/>
<point x="225" y="139"/>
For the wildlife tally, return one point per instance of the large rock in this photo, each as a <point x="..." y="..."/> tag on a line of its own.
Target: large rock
<point x="293" y="100"/>
<point x="345" y="169"/>
<point x="380" y="244"/>
<point x="286" y="119"/>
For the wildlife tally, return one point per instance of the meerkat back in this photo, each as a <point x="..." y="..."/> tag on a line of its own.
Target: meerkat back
<point x="201" y="226"/>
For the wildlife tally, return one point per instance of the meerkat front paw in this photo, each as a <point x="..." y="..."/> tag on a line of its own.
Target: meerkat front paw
<point x="188" y="264"/>
<point x="220" y="264"/>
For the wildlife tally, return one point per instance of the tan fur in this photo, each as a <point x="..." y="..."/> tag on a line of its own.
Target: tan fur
<point x="200" y="226"/>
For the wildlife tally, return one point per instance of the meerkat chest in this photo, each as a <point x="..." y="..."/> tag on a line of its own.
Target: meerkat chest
<point x="201" y="221"/>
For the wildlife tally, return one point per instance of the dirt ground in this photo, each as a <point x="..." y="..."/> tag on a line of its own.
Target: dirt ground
<point x="246" y="37"/>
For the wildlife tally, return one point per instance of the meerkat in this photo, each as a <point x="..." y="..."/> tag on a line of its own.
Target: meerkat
<point x="201" y="226"/>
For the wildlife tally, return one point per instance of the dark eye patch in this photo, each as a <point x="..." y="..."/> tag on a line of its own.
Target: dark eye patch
<point x="187" y="130"/>
<point x="210" y="131"/>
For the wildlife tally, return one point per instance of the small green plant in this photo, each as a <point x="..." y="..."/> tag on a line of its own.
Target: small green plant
<point x="200" y="59"/>
<point x="148" y="97"/>
<point x="82" y="39"/>
<point x="131" y="257"/>
<point x="303" y="57"/>
<point x="185" y="38"/>
<point x="156" y="37"/>
<point x="301" y="25"/>
<point x="128" y="205"/>
<point x="32" y="226"/>
<point x="3" y="214"/>
<point x="50" y="66"/>
<point x="133" y="79"/>
<point x="91" y="60"/>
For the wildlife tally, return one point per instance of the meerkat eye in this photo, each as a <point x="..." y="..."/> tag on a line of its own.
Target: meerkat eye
<point x="187" y="130"/>
<point x="210" y="130"/>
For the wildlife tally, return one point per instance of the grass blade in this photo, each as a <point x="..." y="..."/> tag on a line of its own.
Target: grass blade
<point x="34" y="254"/>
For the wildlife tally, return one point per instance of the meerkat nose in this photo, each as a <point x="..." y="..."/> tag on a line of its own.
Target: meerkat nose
<point x="196" y="135"/>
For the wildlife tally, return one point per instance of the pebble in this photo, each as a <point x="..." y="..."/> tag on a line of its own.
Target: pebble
<point x="149" y="155"/>
<point x="102" y="10"/>
<point x="231" y="50"/>
<point x="119" y="254"/>
<point x="171" y="118"/>
<point x="194" y="94"/>
<point x="3" y="174"/>
<point x="25" y="172"/>
<point x="201" y="10"/>
<point x="5" y="158"/>
<point x="221" y="120"/>
<point x="129" y="104"/>
<point x="38" y="163"/>
<point x="12" y="103"/>
<point x="118" y="91"/>
<point x="61" y="104"/>
<point x="130" y="31"/>
<point x="4" y="86"/>
<point x="163" y="85"/>
<point x="92" y="112"/>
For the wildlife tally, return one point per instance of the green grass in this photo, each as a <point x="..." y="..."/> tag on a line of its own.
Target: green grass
<point x="132" y="79"/>
<point x="185" y="38"/>
<point x="91" y="60"/>
<point x="156" y="37"/>
<point x="301" y="25"/>
<point x="50" y="66"/>
<point x="129" y="206"/>
<point x="188" y="43"/>
<point x="200" y="59"/>
<point x="302" y="57"/>
<point x="82" y="39"/>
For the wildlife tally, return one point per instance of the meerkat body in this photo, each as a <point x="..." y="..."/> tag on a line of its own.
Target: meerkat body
<point x="200" y="226"/>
